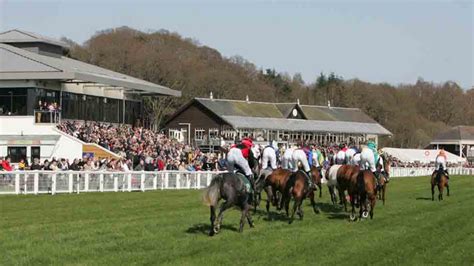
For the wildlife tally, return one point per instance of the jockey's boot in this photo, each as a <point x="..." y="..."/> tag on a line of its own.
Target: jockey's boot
<point x="446" y="173"/>
<point x="310" y="180"/>
<point x="377" y="178"/>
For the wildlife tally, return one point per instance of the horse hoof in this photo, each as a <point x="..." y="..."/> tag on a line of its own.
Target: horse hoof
<point x="211" y="233"/>
<point x="352" y="217"/>
<point x="365" y="214"/>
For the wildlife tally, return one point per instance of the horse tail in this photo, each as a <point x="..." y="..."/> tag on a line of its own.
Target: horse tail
<point x="212" y="192"/>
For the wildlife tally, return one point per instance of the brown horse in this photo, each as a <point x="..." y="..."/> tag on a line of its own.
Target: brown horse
<point x="382" y="186"/>
<point x="438" y="178"/>
<point x="347" y="180"/>
<point x="366" y="185"/>
<point x="274" y="184"/>
<point x="297" y="187"/>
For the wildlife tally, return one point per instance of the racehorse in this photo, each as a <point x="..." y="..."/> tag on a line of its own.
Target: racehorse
<point x="367" y="194"/>
<point x="331" y="177"/>
<point x="273" y="184"/>
<point x="231" y="188"/>
<point x="297" y="187"/>
<point x="347" y="180"/>
<point x="438" y="178"/>
<point x="382" y="186"/>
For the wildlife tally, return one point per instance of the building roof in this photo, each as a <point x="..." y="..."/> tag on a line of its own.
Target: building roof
<point x="276" y="116"/>
<point x="456" y="134"/>
<point x="19" y="64"/>
<point x="302" y="125"/>
<point x="21" y="36"/>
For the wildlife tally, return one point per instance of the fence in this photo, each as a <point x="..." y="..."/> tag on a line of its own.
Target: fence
<point x="41" y="182"/>
<point x="426" y="171"/>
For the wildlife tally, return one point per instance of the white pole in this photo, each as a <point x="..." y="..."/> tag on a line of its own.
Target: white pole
<point x="17" y="183"/>
<point x="142" y="184"/>
<point x="53" y="184"/>
<point x="71" y="183"/>
<point x="101" y="182"/>
<point x="36" y="183"/>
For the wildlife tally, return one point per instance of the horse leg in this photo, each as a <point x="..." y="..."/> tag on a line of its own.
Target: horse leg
<point x="342" y="199"/>
<point x="447" y="189"/>
<point x="313" y="202"/>
<point x="383" y="193"/>
<point x="372" y="205"/>
<point x="295" y="207"/>
<point x="300" y="210"/>
<point x="245" y="210"/>
<point x="352" y="216"/>
<point x="268" y="190"/>
<point x="320" y="186"/>
<point x="432" y="191"/>
<point x="249" y="220"/>
<point x="440" y="189"/>
<point x="224" y="206"/>
<point x="332" y="194"/>
<point x="213" y="219"/>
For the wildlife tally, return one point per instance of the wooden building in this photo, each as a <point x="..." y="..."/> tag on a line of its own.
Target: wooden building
<point x="208" y="122"/>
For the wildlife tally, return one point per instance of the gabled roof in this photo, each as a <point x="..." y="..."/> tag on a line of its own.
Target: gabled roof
<point x="456" y="134"/>
<point x="265" y="115"/>
<point x="19" y="64"/>
<point x="302" y="125"/>
<point x="21" y="36"/>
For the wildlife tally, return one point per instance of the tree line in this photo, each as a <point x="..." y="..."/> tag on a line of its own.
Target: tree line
<point x="414" y="113"/>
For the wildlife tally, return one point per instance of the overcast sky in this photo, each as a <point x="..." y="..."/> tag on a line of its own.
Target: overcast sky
<point x="376" y="41"/>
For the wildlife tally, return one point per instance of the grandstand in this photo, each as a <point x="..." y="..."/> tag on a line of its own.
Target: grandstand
<point x="458" y="140"/>
<point x="208" y="122"/>
<point x="40" y="86"/>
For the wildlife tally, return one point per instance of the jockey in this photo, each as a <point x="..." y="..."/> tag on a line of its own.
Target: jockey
<point x="317" y="158"/>
<point x="300" y="156"/>
<point x="380" y="165"/>
<point x="350" y="155"/>
<point x="341" y="155"/>
<point x="441" y="160"/>
<point x="356" y="159"/>
<point x="286" y="160"/>
<point x="369" y="158"/>
<point x="269" y="155"/>
<point x="238" y="155"/>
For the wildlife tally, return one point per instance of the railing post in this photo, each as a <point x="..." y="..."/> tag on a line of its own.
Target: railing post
<point x="86" y="182"/>
<point x="129" y="179"/>
<point x="155" y="181"/>
<point x="178" y="179"/>
<point x="36" y="183"/>
<point x="208" y="181"/>
<point x="115" y="182"/>
<point x="167" y="180"/>
<point x="53" y="184"/>
<point x="101" y="182"/>
<point x="189" y="177"/>
<point x="198" y="181"/>
<point x="71" y="183"/>
<point x="142" y="181"/>
<point x="25" y="190"/>
<point x="17" y="183"/>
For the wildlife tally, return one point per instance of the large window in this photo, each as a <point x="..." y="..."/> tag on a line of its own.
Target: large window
<point x="13" y="101"/>
<point x="17" y="153"/>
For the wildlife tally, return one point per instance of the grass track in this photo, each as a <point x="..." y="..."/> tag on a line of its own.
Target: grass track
<point x="170" y="227"/>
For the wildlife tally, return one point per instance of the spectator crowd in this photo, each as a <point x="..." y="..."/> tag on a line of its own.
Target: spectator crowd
<point x="140" y="149"/>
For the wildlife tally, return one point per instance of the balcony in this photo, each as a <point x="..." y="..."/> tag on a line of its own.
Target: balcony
<point x="47" y="117"/>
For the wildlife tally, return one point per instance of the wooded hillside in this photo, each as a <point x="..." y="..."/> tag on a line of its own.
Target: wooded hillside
<point x="413" y="113"/>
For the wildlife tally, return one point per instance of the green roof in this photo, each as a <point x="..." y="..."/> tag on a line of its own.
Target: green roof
<point x="282" y="110"/>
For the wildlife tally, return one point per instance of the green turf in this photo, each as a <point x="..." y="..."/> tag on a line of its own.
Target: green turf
<point x="170" y="227"/>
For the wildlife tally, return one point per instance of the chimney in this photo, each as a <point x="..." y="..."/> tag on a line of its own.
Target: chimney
<point x="211" y="96"/>
<point x="247" y="98"/>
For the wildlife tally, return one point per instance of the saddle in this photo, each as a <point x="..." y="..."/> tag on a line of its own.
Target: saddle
<point x="246" y="181"/>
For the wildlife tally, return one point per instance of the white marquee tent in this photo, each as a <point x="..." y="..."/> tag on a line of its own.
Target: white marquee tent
<point x="419" y="155"/>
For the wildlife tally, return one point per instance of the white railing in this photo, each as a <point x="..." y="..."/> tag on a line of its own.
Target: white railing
<point x="49" y="182"/>
<point x="41" y="182"/>
<point x="427" y="171"/>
